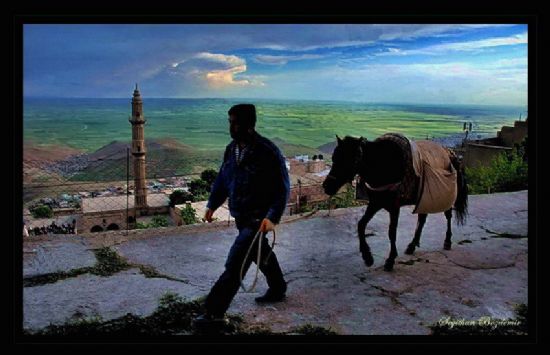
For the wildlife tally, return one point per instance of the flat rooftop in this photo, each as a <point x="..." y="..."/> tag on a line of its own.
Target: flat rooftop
<point x="308" y="178"/>
<point x="117" y="203"/>
<point x="222" y="213"/>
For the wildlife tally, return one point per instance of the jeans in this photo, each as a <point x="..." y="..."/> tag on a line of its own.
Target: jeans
<point x="224" y="290"/>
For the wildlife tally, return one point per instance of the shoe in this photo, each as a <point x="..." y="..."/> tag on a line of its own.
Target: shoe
<point x="207" y="319"/>
<point x="271" y="296"/>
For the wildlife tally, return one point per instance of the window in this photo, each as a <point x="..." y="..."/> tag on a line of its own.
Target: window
<point x="96" y="229"/>
<point x="113" y="227"/>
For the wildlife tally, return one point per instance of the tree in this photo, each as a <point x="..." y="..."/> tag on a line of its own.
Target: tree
<point x="507" y="172"/>
<point x="209" y="175"/>
<point x="179" y="196"/>
<point x="200" y="189"/>
<point x="521" y="148"/>
<point x="42" y="211"/>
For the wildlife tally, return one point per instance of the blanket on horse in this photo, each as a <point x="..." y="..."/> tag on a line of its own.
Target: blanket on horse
<point x="438" y="188"/>
<point x="429" y="181"/>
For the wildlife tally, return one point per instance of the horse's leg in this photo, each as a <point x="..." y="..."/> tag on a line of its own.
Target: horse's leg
<point x="363" y="246"/>
<point x="447" y="244"/>
<point x="394" y="219"/>
<point x="416" y="240"/>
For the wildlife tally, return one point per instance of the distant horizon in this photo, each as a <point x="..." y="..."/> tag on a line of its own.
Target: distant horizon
<point x="90" y="123"/>
<point x="129" y="97"/>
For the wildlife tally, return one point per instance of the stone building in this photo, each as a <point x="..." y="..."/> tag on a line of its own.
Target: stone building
<point x="301" y="165"/>
<point x="482" y="152"/>
<point x="119" y="212"/>
<point x="138" y="152"/>
<point x="306" y="179"/>
<point x="116" y="212"/>
<point x="509" y="136"/>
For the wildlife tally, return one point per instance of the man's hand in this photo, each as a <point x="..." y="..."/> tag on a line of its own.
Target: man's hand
<point x="208" y="215"/>
<point x="267" y="225"/>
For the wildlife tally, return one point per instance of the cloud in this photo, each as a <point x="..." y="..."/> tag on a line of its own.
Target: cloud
<point x="227" y="60"/>
<point x="392" y="51"/>
<point x="283" y="59"/>
<point x="453" y="82"/>
<point x="187" y="60"/>
<point x="494" y="72"/>
<point x="410" y="32"/>
<point x="299" y="38"/>
<point x="331" y="43"/>
<point x="224" y="78"/>
<point x="459" y="46"/>
<point x="512" y="62"/>
<point x="480" y="44"/>
<point x="211" y="70"/>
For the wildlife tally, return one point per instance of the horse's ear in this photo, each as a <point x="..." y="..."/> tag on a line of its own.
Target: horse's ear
<point x="338" y="140"/>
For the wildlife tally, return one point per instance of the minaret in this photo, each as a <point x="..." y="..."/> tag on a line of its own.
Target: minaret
<point x="138" y="151"/>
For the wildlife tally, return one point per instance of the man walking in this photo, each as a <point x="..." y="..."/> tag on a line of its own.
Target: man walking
<point x="254" y="177"/>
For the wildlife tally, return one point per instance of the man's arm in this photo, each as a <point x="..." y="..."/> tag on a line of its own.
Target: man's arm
<point x="218" y="192"/>
<point x="281" y="185"/>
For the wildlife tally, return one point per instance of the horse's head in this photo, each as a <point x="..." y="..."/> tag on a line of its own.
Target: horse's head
<point x="345" y="163"/>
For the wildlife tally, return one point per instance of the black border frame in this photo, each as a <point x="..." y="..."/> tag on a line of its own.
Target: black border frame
<point x="233" y="13"/>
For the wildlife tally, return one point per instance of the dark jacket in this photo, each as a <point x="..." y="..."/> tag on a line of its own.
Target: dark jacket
<point x="257" y="187"/>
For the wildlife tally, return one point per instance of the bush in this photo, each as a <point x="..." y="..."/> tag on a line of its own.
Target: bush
<point x="179" y="196"/>
<point x="159" y="221"/>
<point x="347" y="199"/>
<point x="200" y="189"/>
<point x="189" y="215"/>
<point x="209" y="175"/>
<point x="507" y="172"/>
<point x="522" y="149"/>
<point x="42" y="212"/>
<point x="141" y="225"/>
<point x="203" y="196"/>
<point x="342" y="200"/>
<point x="304" y="208"/>
<point x="480" y="179"/>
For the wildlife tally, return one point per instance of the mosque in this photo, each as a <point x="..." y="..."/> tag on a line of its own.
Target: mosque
<point x="120" y="212"/>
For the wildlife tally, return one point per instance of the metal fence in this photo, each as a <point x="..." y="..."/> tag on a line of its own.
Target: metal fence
<point x="81" y="194"/>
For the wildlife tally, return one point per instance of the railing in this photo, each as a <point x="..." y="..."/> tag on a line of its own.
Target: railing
<point x="84" y="195"/>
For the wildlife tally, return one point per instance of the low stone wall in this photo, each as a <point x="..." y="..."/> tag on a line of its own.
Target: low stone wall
<point x="476" y="155"/>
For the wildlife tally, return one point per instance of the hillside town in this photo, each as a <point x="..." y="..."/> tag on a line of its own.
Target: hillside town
<point x="127" y="204"/>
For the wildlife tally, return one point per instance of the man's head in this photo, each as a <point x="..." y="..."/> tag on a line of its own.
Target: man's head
<point x="242" y="120"/>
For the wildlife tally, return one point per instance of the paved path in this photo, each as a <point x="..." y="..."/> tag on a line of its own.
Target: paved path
<point x="484" y="274"/>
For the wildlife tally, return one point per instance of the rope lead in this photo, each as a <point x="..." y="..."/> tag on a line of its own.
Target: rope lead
<point x="258" y="260"/>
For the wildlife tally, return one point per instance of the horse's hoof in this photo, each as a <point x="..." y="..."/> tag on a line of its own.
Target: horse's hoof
<point x="447" y="246"/>
<point x="368" y="259"/>
<point x="388" y="266"/>
<point x="410" y="250"/>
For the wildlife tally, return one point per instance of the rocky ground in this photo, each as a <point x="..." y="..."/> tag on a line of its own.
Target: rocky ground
<point x="485" y="273"/>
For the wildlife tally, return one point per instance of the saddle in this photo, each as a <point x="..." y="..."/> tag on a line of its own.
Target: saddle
<point x="430" y="177"/>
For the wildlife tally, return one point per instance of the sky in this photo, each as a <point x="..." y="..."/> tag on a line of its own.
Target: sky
<point x="425" y="63"/>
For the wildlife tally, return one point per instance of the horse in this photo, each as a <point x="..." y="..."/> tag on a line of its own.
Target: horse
<point x="386" y="168"/>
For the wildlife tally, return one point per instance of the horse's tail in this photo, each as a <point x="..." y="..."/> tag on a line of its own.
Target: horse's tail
<point x="461" y="202"/>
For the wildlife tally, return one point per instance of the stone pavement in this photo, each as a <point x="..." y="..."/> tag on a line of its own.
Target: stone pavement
<point x="485" y="273"/>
